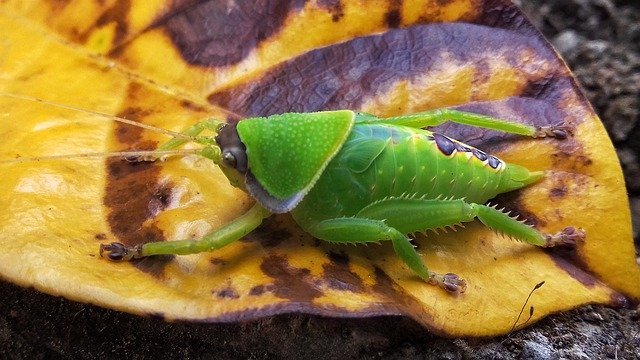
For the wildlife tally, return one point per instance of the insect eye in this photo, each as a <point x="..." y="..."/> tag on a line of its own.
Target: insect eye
<point x="229" y="159"/>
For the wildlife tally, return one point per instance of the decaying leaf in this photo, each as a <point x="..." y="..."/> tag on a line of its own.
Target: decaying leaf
<point x="237" y="59"/>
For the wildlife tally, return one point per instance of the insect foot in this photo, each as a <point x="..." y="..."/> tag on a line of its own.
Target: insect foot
<point x="452" y="283"/>
<point x="555" y="131"/>
<point x="119" y="252"/>
<point x="569" y="236"/>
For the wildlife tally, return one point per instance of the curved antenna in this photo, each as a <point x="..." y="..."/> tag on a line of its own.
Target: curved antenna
<point x="131" y="156"/>
<point x="110" y="117"/>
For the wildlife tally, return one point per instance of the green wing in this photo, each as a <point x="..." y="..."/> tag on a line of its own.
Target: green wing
<point x="287" y="153"/>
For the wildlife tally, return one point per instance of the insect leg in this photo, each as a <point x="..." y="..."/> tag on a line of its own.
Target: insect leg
<point x="440" y="116"/>
<point x="500" y="222"/>
<point x="411" y="215"/>
<point x="360" y="230"/>
<point x="215" y="240"/>
<point x="193" y="131"/>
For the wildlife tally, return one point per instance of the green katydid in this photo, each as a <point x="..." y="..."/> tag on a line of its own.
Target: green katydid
<point x="349" y="177"/>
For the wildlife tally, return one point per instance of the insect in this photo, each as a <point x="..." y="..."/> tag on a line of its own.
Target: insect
<point x="350" y="177"/>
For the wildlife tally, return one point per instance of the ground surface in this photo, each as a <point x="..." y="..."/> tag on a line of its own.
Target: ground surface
<point x="600" y="39"/>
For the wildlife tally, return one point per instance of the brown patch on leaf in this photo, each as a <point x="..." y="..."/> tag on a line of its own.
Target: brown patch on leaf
<point x="294" y="284"/>
<point x="512" y="202"/>
<point x="269" y="234"/>
<point x="344" y="75"/>
<point x="58" y="5"/>
<point x="575" y="272"/>
<point x="153" y="265"/>
<point x="523" y="110"/>
<point x="502" y="14"/>
<point x="334" y="7"/>
<point x="117" y="13"/>
<point x="393" y="17"/>
<point x="338" y="276"/>
<point x="220" y="33"/>
<point x="191" y="106"/>
<point x="160" y="199"/>
<point x="227" y="293"/>
<point x="133" y="194"/>
<point x="558" y="192"/>
<point x="261" y="289"/>
<point x="218" y="261"/>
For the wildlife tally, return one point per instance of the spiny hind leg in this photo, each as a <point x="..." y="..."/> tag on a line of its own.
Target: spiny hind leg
<point x="361" y="230"/>
<point x="411" y="215"/>
<point x="498" y="221"/>
<point x="440" y="116"/>
<point x="406" y="215"/>
<point x="215" y="240"/>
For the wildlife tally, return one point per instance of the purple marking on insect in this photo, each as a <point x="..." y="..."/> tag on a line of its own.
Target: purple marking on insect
<point x="445" y="145"/>
<point x="462" y="147"/>
<point x="481" y="155"/>
<point x="494" y="162"/>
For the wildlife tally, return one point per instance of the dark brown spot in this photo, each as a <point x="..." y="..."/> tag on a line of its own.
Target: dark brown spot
<point x="295" y="284"/>
<point x="160" y="199"/>
<point x="558" y="192"/>
<point x="338" y="276"/>
<point x="101" y="236"/>
<point x="221" y="33"/>
<point x="218" y="261"/>
<point x="153" y="265"/>
<point x="334" y="7"/>
<point x="393" y="18"/>
<point x="118" y="14"/>
<point x="268" y="234"/>
<point x="129" y="134"/>
<point x="338" y="258"/>
<point x="575" y="272"/>
<point x="512" y="202"/>
<point x="58" y="5"/>
<point x="188" y="105"/>
<point x="228" y="293"/>
<point x="260" y="289"/>
<point x="503" y="14"/>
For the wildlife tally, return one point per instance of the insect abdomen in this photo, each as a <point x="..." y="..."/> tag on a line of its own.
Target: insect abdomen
<point x="379" y="161"/>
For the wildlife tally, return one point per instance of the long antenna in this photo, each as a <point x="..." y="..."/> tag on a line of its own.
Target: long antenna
<point x="111" y="117"/>
<point x="132" y="156"/>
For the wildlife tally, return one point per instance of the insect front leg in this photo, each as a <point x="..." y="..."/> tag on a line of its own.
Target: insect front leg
<point x="210" y="150"/>
<point x="360" y="230"/>
<point x="440" y="116"/>
<point x="215" y="240"/>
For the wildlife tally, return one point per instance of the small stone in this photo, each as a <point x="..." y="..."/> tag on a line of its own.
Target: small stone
<point x="567" y="41"/>
<point x="534" y="350"/>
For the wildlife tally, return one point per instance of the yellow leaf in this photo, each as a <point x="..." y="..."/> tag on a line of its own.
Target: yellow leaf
<point x="229" y="60"/>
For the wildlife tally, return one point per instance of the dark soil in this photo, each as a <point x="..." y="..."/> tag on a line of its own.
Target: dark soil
<point x="600" y="40"/>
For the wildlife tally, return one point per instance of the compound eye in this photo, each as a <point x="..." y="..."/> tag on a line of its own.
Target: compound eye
<point x="229" y="159"/>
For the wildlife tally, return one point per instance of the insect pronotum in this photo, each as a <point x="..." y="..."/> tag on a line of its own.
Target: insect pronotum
<point x="349" y="177"/>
